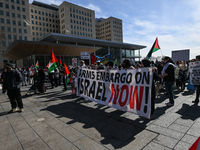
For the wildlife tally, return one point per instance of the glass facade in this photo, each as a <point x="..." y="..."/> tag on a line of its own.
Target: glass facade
<point x="44" y="60"/>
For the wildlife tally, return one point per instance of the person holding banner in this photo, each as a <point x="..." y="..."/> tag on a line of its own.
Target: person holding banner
<point x="126" y="64"/>
<point x="82" y="64"/>
<point x="110" y="65"/>
<point x="146" y="63"/>
<point x="197" y="86"/>
<point x="168" y="76"/>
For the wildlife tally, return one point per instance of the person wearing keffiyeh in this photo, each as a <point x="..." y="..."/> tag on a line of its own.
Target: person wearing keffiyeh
<point x="168" y="76"/>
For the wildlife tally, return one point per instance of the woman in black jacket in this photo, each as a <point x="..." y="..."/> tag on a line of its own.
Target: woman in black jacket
<point x="41" y="79"/>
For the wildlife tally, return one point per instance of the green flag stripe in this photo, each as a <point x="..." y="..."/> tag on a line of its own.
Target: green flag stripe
<point x="52" y="67"/>
<point x="155" y="49"/>
<point x="66" y="79"/>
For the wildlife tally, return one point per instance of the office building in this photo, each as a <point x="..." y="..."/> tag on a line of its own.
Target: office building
<point x="76" y="20"/>
<point x="109" y="29"/>
<point x="33" y="22"/>
<point x="44" y="19"/>
<point x="13" y="14"/>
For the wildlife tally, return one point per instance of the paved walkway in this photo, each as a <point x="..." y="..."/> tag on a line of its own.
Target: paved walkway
<point x="57" y="120"/>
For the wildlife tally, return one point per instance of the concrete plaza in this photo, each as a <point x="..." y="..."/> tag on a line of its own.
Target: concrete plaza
<point x="57" y="120"/>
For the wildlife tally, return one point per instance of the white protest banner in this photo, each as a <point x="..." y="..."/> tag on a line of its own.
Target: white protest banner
<point x="126" y="90"/>
<point x="194" y="69"/>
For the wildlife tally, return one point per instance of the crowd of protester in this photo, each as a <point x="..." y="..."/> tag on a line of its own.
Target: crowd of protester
<point x="167" y="74"/>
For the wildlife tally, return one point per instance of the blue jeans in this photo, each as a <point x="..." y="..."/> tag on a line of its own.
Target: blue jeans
<point x="197" y="92"/>
<point x="169" y="89"/>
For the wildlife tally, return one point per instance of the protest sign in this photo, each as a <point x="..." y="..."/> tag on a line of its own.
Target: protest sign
<point x="194" y="69"/>
<point x="126" y="90"/>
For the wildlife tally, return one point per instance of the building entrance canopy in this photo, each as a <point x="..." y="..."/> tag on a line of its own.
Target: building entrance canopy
<point x="20" y="49"/>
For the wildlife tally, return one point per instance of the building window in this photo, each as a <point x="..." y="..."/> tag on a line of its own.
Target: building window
<point x="13" y="15"/>
<point x="7" y="6"/>
<point x="36" y="11"/>
<point x="42" y="13"/>
<point x="8" y="21"/>
<point x="71" y="32"/>
<point x="32" y="10"/>
<point x="25" y="31"/>
<point x="8" y="29"/>
<point x="23" y="9"/>
<point x="14" y="30"/>
<point x="33" y="39"/>
<point x="9" y="44"/>
<point x="1" y="4"/>
<point x="25" y="38"/>
<point x="35" y="17"/>
<point x="40" y="34"/>
<point x="31" y="16"/>
<point x="14" y="22"/>
<point x="36" y="22"/>
<point x="19" y="23"/>
<point x="36" y="28"/>
<point x="1" y="12"/>
<point x="4" y="43"/>
<point x="23" y="2"/>
<point x="18" y="8"/>
<point x="17" y="1"/>
<point x="43" y="29"/>
<point x="13" y="7"/>
<point x="20" y="30"/>
<point x="2" y="28"/>
<point x="7" y="14"/>
<point x="24" y="16"/>
<point x="32" y="22"/>
<point x="9" y="37"/>
<point x="24" y="24"/>
<point x="39" y="12"/>
<point x="20" y="37"/>
<point x="18" y="15"/>
<point x="33" y="28"/>
<point x="33" y="33"/>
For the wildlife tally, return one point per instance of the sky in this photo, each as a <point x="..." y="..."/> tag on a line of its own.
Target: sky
<point x="176" y="23"/>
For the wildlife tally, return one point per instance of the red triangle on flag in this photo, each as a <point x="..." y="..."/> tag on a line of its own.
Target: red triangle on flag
<point x="53" y="58"/>
<point x="66" y="71"/>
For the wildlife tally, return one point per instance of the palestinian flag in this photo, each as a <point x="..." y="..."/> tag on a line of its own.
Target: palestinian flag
<point x="116" y="62"/>
<point x="60" y="63"/>
<point x="31" y="68"/>
<point x="153" y="49"/>
<point x="37" y="65"/>
<point x="66" y="72"/>
<point x="53" y="63"/>
<point x="196" y="145"/>
<point x="94" y="58"/>
<point x="48" y="64"/>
